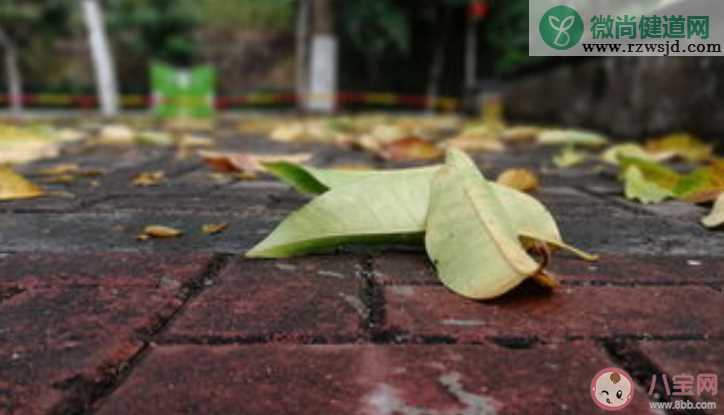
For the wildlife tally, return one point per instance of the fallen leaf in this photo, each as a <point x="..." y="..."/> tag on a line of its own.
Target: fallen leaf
<point x="703" y="184"/>
<point x="190" y="140"/>
<point x="149" y="178"/>
<point x="159" y="231"/>
<point x="409" y="149"/>
<point x="519" y="179"/>
<point x="519" y="134"/>
<point x="14" y="186"/>
<point x="59" y="169"/>
<point x="116" y="135"/>
<point x="213" y="228"/>
<point x="246" y="162"/>
<point x="153" y="138"/>
<point x="651" y="171"/>
<point x="572" y="137"/>
<point x="684" y="145"/>
<point x="61" y="179"/>
<point x="569" y="157"/>
<point x="716" y="216"/>
<point x="633" y="150"/>
<point x="637" y="187"/>
<point x="473" y="143"/>
<point x="531" y="219"/>
<point x="469" y="236"/>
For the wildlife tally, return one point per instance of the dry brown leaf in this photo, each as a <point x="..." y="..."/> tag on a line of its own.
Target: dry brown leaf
<point x="159" y="231"/>
<point x="213" y="228"/>
<point x="410" y="148"/>
<point x="149" y="178"/>
<point x="14" y="186"/>
<point x="116" y="134"/>
<point x="247" y="162"/>
<point x="520" y="179"/>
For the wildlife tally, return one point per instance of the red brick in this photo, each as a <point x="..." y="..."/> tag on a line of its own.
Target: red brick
<point x="51" y="336"/>
<point x="404" y="268"/>
<point x="414" y="268"/>
<point x="118" y="269"/>
<point x="689" y="357"/>
<point x="578" y="311"/>
<point x="356" y="379"/>
<point x="613" y="268"/>
<point x="296" y="299"/>
<point x="72" y="320"/>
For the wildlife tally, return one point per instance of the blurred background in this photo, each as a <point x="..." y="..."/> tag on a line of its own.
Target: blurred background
<point x="342" y="55"/>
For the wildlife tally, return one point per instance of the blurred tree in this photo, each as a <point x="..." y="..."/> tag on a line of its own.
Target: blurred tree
<point x="156" y="29"/>
<point x="20" y="20"/>
<point x="266" y="15"/>
<point x="105" y="73"/>
<point x="376" y="27"/>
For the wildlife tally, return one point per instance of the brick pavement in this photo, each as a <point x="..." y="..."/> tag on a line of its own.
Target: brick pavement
<point x="94" y="321"/>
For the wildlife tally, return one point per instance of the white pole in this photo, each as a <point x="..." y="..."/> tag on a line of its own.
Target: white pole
<point x="107" y="88"/>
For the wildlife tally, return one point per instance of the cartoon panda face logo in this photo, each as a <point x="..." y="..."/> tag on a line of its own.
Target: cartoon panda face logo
<point x="612" y="389"/>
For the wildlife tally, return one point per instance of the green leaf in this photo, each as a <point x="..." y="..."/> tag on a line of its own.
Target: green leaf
<point x="469" y="236"/>
<point x="637" y="187"/>
<point x="651" y="171"/>
<point x="369" y="211"/>
<point x="530" y="218"/>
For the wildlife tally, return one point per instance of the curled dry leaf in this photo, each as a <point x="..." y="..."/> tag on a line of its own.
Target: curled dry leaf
<point x="159" y="231"/>
<point x="213" y="228"/>
<point x="519" y="179"/>
<point x="716" y="216"/>
<point x="149" y="178"/>
<point x="409" y="149"/>
<point x="247" y="162"/>
<point x="14" y="186"/>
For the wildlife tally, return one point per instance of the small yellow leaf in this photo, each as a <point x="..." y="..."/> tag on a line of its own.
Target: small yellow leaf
<point x="213" y="228"/>
<point x="159" y="231"/>
<point x="149" y="178"/>
<point x="520" y="179"/>
<point x="14" y="186"/>
<point x="716" y="216"/>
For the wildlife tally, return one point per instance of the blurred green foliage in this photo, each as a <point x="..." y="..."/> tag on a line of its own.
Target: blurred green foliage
<point x="266" y="15"/>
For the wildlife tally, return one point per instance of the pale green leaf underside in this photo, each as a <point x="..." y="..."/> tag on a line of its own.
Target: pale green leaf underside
<point x="469" y="236"/>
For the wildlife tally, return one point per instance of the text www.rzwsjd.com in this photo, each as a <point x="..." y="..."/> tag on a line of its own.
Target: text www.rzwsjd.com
<point x="663" y="49"/>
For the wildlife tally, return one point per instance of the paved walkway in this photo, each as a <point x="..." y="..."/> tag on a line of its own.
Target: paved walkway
<point x="94" y="321"/>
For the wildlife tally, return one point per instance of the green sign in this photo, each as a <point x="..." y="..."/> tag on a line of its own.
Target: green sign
<point x="561" y="27"/>
<point x="183" y="93"/>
